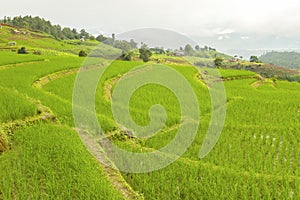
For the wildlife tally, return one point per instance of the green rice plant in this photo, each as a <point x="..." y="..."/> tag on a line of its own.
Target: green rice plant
<point x="49" y="161"/>
<point x="255" y="157"/>
<point x="14" y="106"/>
<point x="14" y="58"/>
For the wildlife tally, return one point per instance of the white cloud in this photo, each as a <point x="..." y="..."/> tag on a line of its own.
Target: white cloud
<point x="245" y="37"/>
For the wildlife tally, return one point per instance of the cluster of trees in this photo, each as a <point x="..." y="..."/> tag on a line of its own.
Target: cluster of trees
<point x="40" y="24"/>
<point x="197" y="51"/>
<point x="255" y="59"/>
<point x="124" y="45"/>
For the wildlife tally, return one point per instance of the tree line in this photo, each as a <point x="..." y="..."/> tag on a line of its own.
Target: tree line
<point x="40" y="24"/>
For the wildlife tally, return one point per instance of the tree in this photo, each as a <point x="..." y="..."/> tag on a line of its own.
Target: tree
<point x="197" y="47"/>
<point x="92" y="37"/>
<point x="82" y="54"/>
<point x="218" y="62"/>
<point x="75" y="33"/>
<point x="188" y="49"/>
<point x="128" y="56"/>
<point x="133" y="44"/>
<point x="67" y="32"/>
<point x="22" y="51"/>
<point x="101" y="38"/>
<point x="254" y="59"/>
<point x="84" y="34"/>
<point x="123" y="45"/>
<point x="145" y="54"/>
<point x="211" y="49"/>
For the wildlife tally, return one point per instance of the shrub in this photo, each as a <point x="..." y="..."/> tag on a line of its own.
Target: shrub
<point x="22" y="51"/>
<point x="82" y="54"/>
<point x="128" y="56"/>
<point x="37" y="52"/>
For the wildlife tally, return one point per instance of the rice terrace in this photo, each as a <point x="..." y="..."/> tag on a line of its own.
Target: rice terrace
<point x="48" y="153"/>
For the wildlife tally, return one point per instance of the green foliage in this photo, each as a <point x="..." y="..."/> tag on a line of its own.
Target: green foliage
<point x="22" y="51"/>
<point x="133" y="44"/>
<point x="128" y="56"/>
<point x="123" y="45"/>
<point x="157" y="50"/>
<point x="188" y="49"/>
<point x="37" y="52"/>
<point x="54" y="163"/>
<point x="218" y="62"/>
<point x="256" y="156"/>
<point x="82" y="54"/>
<point x="285" y="59"/>
<point x="101" y="38"/>
<point x="8" y="58"/>
<point x="254" y="59"/>
<point x="13" y="106"/>
<point x="40" y="24"/>
<point x="145" y="54"/>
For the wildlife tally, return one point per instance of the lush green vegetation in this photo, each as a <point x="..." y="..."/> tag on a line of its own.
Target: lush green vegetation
<point x="257" y="153"/>
<point x="12" y="58"/>
<point x="42" y="43"/>
<point x="45" y="160"/>
<point x="256" y="157"/>
<point x="50" y="161"/>
<point x="13" y="106"/>
<point x="284" y="59"/>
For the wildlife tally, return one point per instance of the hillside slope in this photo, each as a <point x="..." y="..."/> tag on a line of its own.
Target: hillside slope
<point x="12" y="38"/>
<point x="285" y="59"/>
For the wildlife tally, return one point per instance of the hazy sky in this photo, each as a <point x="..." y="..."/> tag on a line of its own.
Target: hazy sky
<point x="231" y="26"/>
<point x="191" y="17"/>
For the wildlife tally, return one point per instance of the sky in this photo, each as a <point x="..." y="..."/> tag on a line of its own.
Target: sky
<point x="218" y="19"/>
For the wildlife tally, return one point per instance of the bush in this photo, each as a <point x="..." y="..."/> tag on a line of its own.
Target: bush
<point x="22" y="51"/>
<point x="218" y="62"/>
<point x="128" y="56"/>
<point x="3" y="142"/>
<point x="82" y="54"/>
<point x="37" y="53"/>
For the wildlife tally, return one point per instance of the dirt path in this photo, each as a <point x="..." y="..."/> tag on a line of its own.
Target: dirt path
<point x="112" y="172"/>
<point x="114" y="176"/>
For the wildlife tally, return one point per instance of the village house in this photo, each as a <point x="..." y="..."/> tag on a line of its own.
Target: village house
<point x="179" y="53"/>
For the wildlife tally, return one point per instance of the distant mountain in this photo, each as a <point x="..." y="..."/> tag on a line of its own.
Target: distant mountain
<point x="285" y="59"/>
<point x="248" y="44"/>
<point x="154" y="37"/>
